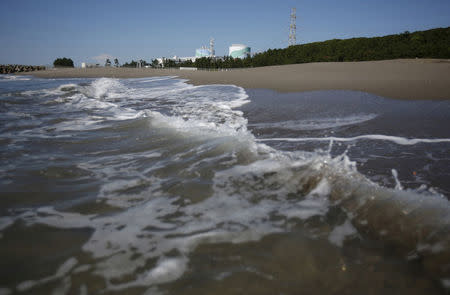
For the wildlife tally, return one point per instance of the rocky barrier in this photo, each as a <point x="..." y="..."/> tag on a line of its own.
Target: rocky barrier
<point x="9" y="69"/>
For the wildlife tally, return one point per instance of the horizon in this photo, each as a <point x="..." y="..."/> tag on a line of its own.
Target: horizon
<point x="91" y="32"/>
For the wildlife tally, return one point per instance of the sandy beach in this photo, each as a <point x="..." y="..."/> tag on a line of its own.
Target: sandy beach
<point x="401" y="79"/>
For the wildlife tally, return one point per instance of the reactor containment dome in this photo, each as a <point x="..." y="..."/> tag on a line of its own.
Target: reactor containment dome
<point x="239" y="51"/>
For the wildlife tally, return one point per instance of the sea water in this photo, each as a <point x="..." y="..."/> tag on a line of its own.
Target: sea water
<point x="155" y="186"/>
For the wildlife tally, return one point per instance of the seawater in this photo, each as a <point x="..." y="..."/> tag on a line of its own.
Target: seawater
<point x="155" y="186"/>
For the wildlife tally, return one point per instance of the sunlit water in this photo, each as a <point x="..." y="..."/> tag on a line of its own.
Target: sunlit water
<point x="155" y="186"/>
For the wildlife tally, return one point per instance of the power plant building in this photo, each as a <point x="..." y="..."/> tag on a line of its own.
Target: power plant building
<point x="235" y="51"/>
<point x="202" y="52"/>
<point x="239" y="51"/>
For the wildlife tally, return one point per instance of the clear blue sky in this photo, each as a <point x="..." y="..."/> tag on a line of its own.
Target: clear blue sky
<point x="38" y="31"/>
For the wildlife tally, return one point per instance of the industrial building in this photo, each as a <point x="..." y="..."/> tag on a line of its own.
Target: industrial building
<point x="202" y="52"/>
<point x="205" y="51"/>
<point x="239" y="51"/>
<point x="235" y="51"/>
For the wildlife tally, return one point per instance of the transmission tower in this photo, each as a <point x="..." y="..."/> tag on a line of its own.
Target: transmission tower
<point x="293" y="28"/>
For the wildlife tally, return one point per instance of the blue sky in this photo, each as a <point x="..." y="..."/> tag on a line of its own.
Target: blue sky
<point x="37" y="32"/>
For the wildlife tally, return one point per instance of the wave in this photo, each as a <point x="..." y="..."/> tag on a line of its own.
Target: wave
<point x="394" y="139"/>
<point x="9" y="78"/>
<point x="317" y="124"/>
<point x="249" y="202"/>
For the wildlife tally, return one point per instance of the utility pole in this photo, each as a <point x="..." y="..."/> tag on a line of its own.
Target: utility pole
<point x="293" y="28"/>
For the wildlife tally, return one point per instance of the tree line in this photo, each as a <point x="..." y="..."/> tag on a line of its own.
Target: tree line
<point x="63" y="62"/>
<point x="433" y="43"/>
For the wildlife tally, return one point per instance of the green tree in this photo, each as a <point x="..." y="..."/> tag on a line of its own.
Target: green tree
<point x="116" y="62"/>
<point x="63" y="62"/>
<point x="131" y="64"/>
<point x="107" y="63"/>
<point x="169" y="63"/>
<point x="155" y="63"/>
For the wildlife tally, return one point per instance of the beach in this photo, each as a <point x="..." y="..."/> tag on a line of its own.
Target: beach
<point x="400" y="79"/>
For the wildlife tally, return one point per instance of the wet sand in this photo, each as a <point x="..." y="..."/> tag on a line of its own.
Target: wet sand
<point x="402" y="79"/>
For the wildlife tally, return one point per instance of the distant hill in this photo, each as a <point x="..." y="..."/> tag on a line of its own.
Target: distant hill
<point x="433" y="43"/>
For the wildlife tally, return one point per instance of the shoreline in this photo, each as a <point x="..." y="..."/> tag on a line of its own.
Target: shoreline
<point x="399" y="79"/>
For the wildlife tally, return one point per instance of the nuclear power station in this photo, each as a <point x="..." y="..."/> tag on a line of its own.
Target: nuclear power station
<point x="239" y="51"/>
<point x="205" y="51"/>
<point x="234" y="51"/>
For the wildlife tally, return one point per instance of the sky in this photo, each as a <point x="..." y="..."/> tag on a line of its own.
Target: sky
<point x="37" y="32"/>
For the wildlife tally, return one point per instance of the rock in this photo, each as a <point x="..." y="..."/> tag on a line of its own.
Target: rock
<point x="9" y="69"/>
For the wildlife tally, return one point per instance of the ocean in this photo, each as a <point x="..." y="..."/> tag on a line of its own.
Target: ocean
<point x="156" y="186"/>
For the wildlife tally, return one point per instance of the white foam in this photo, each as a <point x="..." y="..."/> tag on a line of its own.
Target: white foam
<point x="202" y="127"/>
<point x="191" y="107"/>
<point x="433" y="248"/>
<point x="317" y="124"/>
<point x="83" y="290"/>
<point x="105" y="87"/>
<point x="227" y="216"/>
<point x="82" y="268"/>
<point x="8" y="78"/>
<point x="207" y="111"/>
<point x="5" y="222"/>
<point x="167" y="270"/>
<point x="62" y="271"/>
<point x="60" y="90"/>
<point x="316" y="203"/>
<point x="395" y="139"/>
<point x="341" y="232"/>
<point x="398" y="185"/>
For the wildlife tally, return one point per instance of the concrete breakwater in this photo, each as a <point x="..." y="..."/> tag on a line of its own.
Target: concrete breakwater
<point x="9" y="69"/>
